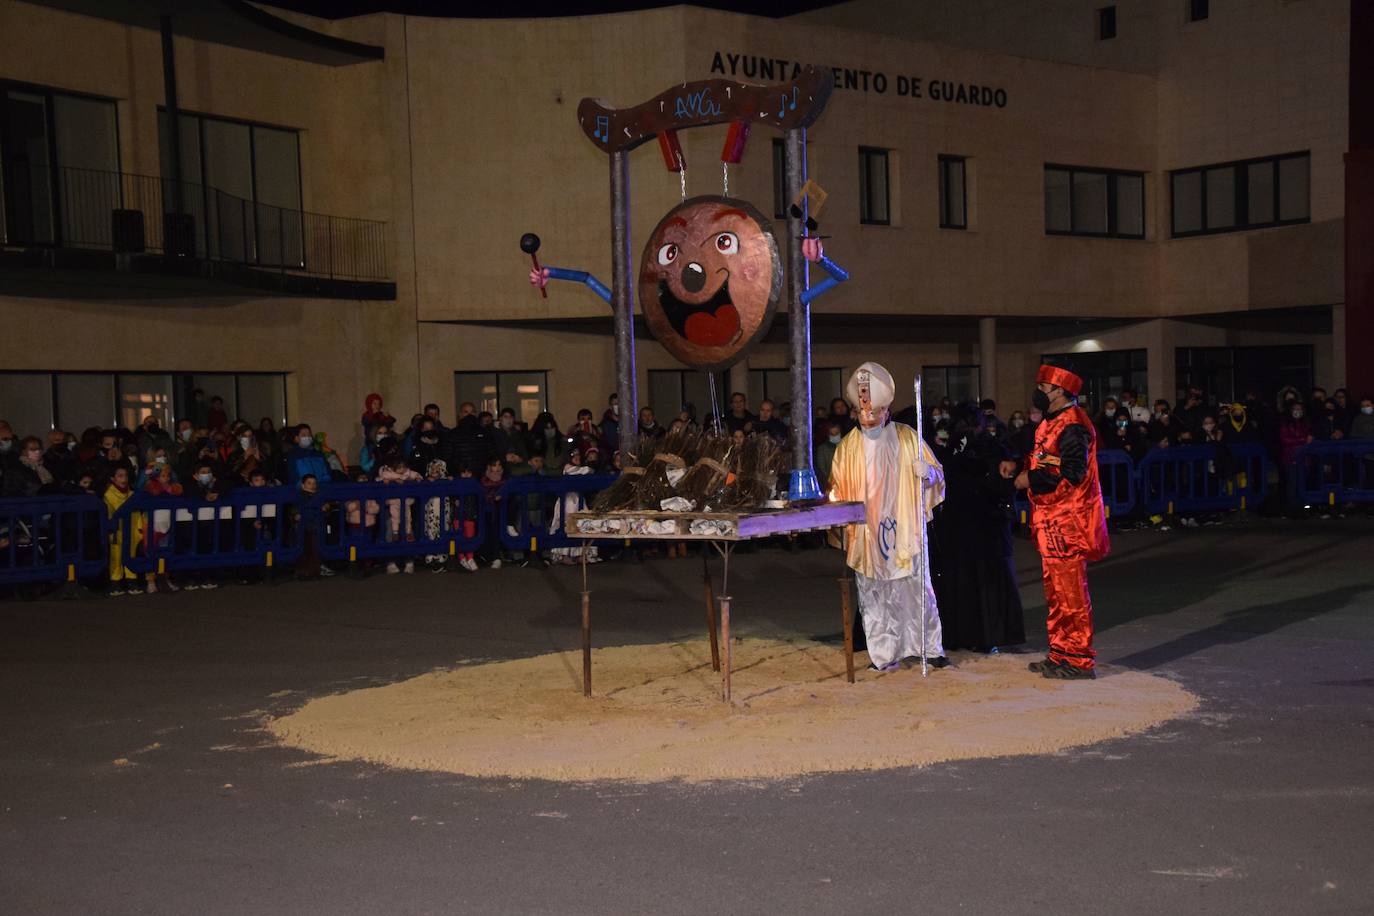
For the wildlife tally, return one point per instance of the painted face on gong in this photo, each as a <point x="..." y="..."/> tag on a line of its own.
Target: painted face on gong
<point x="709" y="280"/>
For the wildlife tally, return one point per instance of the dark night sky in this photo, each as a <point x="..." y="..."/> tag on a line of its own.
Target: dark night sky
<point x="342" y="9"/>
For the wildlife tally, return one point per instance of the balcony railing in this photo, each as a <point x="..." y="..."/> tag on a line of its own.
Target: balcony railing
<point x="139" y="214"/>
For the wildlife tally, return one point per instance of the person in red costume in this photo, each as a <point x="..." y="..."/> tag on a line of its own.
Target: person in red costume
<point x="1068" y="521"/>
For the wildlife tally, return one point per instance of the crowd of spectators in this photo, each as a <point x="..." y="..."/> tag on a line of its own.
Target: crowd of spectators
<point x="208" y="454"/>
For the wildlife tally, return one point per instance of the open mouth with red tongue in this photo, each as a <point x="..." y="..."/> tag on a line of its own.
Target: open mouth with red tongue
<point x="712" y="323"/>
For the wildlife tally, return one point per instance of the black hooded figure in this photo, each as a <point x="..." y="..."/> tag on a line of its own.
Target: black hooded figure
<point x="971" y="542"/>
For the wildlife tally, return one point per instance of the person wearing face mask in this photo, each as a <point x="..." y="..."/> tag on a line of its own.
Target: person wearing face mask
<point x="1238" y="426"/>
<point x="1328" y="423"/>
<point x="547" y="439"/>
<point x="26" y="474"/>
<point x="1069" y="523"/>
<point x="610" y="423"/>
<point x="58" y="458"/>
<point x="1015" y="423"/>
<point x="378" y="450"/>
<point x="427" y="448"/>
<point x="510" y="439"/>
<point x="1362" y="425"/>
<point x="150" y="434"/>
<point x="897" y="477"/>
<point x="825" y="454"/>
<point x="246" y="457"/>
<point x="585" y="432"/>
<point x="1294" y="432"/>
<point x="937" y="419"/>
<point x="1019" y="441"/>
<point x="204" y="487"/>
<point x="303" y="459"/>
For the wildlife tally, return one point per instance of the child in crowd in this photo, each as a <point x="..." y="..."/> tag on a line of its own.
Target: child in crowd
<point x="361" y="515"/>
<point x="117" y="494"/>
<point x="572" y="502"/>
<point x="398" y="527"/>
<point x="307" y="518"/>
<point x="437" y="515"/>
<point x="467" y="508"/>
<point x="158" y="480"/>
<point x="493" y="482"/>
<point x="257" y="525"/>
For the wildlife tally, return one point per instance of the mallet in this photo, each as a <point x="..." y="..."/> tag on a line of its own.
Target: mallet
<point x="529" y="244"/>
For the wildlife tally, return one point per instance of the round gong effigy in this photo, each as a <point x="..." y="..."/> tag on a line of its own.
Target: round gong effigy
<point x="709" y="280"/>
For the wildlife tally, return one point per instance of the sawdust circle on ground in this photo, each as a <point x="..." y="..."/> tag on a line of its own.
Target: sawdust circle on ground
<point x="657" y="714"/>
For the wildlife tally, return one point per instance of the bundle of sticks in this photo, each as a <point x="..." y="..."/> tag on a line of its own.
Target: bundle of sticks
<point x="760" y="461"/>
<point x="706" y="478"/>
<point x="621" y="494"/>
<point x="676" y="452"/>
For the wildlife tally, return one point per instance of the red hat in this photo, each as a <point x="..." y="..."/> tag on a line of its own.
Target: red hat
<point x="1061" y="377"/>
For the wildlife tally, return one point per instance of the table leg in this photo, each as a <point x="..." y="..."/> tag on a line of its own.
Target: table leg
<point x="847" y="615"/>
<point x="710" y="612"/>
<point x="725" y="638"/>
<point x="586" y="630"/>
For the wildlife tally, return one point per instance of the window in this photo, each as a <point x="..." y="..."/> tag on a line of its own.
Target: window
<point x="958" y="383"/>
<point x="1228" y="373"/>
<point x="38" y="401"/>
<point x="1106" y="23"/>
<point x="1105" y="373"/>
<point x="242" y="187"/>
<point x="527" y="393"/>
<point x="59" y="165"/>
<point x="672" y="390"/>
<point x="1197" y="10"/>
<point x="776" y="386"/>
<point x="1230" y="196"/>
<point x="873" y="187"/>
<point x="953" y="195"/>
<point x="779" y="180"/>
<point x="1097" y="202"/>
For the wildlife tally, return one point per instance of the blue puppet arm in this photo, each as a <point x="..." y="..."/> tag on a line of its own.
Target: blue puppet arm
<point x="837" y="276"/>
<point x="580" y="276"/>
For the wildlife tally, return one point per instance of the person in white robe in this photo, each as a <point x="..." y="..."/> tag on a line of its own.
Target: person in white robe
<point x="897" y="477"/>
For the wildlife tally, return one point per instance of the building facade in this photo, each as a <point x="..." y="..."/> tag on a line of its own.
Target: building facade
<point x="1158" y="196"/>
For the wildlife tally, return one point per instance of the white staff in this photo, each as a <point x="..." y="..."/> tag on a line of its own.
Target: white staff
<point x="921" y="526"/>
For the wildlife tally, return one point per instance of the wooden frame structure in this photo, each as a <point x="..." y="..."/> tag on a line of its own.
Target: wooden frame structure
<point x="722" y="530"/>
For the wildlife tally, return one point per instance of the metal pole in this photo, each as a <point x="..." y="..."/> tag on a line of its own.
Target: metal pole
<point x="622" y="294"/>
<point x="586" y="628"/>
<point x="803" y="483"/>
<point x="710" y="611"/>
<point x="169" y="84"/>
<point x="922" y="566"/>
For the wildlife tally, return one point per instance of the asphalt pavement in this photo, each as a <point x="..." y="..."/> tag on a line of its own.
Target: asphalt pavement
<point x="135" y="777"/>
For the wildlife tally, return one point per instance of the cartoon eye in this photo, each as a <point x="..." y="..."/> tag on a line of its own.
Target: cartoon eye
<point x="667" y="254"/>
<point x="727" y="243"/>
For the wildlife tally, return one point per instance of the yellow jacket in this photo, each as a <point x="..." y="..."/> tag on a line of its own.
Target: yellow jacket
<point x="847" y="484"/>
<point x="113" y="500"/>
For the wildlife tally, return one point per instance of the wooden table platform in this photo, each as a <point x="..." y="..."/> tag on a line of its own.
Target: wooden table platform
<point x="723" y="530"/>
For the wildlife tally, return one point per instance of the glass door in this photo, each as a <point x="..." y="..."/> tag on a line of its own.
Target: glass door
<point x="26" y="170"/>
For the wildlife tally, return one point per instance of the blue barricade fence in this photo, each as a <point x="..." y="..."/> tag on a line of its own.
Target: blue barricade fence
<point x="358" y="521"/>
<point x="56" y="538"/>
<point x="1116" y="473"/>
<point x="1202" y="478"/>
<point x="1333" y="473"/>
<point x="532" y="509"/>
<point x="248" y="526"/>
<point x="51" y="538"/>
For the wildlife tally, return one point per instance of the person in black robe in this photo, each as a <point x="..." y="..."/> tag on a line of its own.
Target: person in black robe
<point x="971" y="541"/>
